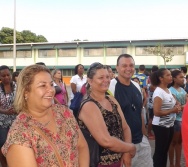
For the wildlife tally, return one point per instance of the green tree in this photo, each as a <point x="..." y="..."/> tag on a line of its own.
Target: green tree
<point x="29" y="36"/>
<point x="165" y="52"/>
<point x="26" y="36"/>
<point x="41" y="38"/>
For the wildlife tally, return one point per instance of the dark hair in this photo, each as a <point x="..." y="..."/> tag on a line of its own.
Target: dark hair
<point x="142" y="67"/>
<point x="108" y="67"/>
<point x="92" y="71"/>
<point x="155" y="81"/>
<point x="4" y="67"/>
<point x="174" y="74"/>
<point x="125" y="56"/>
<point x="14" y="74"/>
<point x="186" y="77"/>
<point x="76" y="68"/>
<point x="135" y="78"/>
<point x="147" y="73"/>
<point x="41" y="63"/>
<point x="154" y="68"/>
<point x="184" y="69"/>
<point x="93" y="68"/>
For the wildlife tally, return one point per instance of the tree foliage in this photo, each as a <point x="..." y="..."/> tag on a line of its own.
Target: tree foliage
<point x="25" y="36"/>
<point x="165" y="52"/>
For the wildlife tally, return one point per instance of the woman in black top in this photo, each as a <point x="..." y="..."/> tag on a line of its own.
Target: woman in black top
<point x="101" y="115"/>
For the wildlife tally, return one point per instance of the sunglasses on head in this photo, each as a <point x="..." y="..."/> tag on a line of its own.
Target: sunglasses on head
<point x="94" y="65"/>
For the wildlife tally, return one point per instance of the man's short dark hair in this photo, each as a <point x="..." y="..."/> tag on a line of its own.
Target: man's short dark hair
<point x="154" y="68"/>
<point x="4" y="67"/>
<point x="142" y="67"/>
<point x="184" y="69"/>
<point x="125" y="56"/>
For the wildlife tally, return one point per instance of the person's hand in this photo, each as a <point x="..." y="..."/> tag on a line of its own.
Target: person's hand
<point x="10" y="111"/>
<point x="132" y="152"/>
<point x="178" y="103"/>
<point x="177" y="108"/>
<point x="126" y="160"/>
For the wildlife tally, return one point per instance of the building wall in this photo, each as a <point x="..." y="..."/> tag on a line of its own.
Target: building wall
<point x="88" y="52"/>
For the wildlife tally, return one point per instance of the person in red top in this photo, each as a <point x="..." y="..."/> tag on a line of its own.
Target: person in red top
<point x="185" y="132"/>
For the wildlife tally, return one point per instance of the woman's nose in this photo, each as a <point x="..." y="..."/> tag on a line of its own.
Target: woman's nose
<point x="51" y="89"/>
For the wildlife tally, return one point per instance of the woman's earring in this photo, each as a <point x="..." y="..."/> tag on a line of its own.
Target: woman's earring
<point x="26" y="98"/>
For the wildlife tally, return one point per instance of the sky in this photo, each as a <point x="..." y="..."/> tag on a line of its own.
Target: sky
<point x="98" y="20"/>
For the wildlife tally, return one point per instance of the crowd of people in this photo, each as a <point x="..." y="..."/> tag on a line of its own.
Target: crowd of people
<point x="117" y="116"/>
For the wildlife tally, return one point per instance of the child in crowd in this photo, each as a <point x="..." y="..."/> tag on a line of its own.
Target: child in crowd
<point x="179" y="93"/>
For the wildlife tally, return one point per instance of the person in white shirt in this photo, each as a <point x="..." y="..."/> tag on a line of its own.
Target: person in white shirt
<point x="165" y="109"/>
<point x="77" y="81"/>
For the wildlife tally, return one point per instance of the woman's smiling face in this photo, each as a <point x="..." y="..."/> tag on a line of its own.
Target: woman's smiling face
<point x="40" y="96"/>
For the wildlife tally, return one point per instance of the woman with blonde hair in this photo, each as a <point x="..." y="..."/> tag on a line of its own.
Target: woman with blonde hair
<point x="43" y="134"/>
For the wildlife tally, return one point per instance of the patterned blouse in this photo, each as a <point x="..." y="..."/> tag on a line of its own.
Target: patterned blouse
<point x="114" y="125"/>
<point x="22" y="133"/>
<point x="6" y="101"/>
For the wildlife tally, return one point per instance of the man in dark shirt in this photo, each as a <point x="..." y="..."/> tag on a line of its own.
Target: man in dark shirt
<point x="128" y="94"/>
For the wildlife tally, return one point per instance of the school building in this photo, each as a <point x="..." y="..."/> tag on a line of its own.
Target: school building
<point x="66" y="55"/>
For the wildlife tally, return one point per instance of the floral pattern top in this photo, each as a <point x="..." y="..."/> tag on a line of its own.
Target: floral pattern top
<point x="22" y="133"/>
<point x="113" y="123"/>
<point x="6" y="102"/>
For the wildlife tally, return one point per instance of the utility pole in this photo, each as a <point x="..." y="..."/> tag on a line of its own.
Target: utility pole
<point x="14" y="47"/>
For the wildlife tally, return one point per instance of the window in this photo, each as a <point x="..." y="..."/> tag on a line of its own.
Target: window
<point x="142" y="52"/>
<point x="94" y="52"/>
<point x="177" y="50"/>
<point x="6" y="54"/>
<point x="67" y="52"/>
<point x="23" y="54"/>
<point x="47" y="53"/>
<point x="115" y="51"/>
<point x="67" y="72"/>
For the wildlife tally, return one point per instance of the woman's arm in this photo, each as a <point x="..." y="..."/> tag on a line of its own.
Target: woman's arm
<point x="83" y="151"/>
<point x="144" y="97"/>
<point x="67" y="96"/>
<point x="9" y="111"/>
<point x="73" y="88"/>
<point x="157" y="108"/>
<point x="20" y="156"/>
<point x="92" y="118"/>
